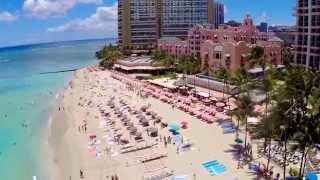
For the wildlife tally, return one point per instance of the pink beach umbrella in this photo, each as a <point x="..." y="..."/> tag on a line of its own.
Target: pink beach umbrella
<point x="198" y="114"/>
<point x="92" y="137"/>
<point x="192" y="111"/>
<point x="186" y="107"/>
<point x="258" y="108"/>
<point x="180" y="105"/>
<point x="184" y="124"/>
<point x="220" y="104"/>
<point x="187" y="101"/>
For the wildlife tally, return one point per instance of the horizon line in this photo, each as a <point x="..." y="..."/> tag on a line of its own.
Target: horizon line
<point x="53" y="42"/>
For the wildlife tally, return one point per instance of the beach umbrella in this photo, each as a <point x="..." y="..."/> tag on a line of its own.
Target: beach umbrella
<point x="220" y="104"/>
<point x="221" y="99"/>
<point x="130" y="124"/>
<point x="93" y="136"/>
<point x="214" y="99"/>
<point x="219" y="109"/>
<point x="164" y="124"/>
<point x="311" y="176"/>
<point x="184" y="122"/>
<point x="133" y="129"/>
<point x="174" y="126"/>
<point x="153" y="114"/>
<point x="194" y="99"/>
<point x="138" y="134"/>
<point x="144" y="122"/>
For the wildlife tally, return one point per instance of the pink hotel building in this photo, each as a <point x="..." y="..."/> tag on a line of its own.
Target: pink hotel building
<point x="226" y="46"/>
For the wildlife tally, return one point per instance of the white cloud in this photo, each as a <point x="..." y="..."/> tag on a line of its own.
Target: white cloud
<point x="46" y="8"/>
<point x="7" y="17"/>
<point x="263" y="17"/>
<point x="104" y="19"/>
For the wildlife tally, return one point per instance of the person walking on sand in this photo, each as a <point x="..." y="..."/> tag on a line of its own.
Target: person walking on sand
<point x="81" y="174"/>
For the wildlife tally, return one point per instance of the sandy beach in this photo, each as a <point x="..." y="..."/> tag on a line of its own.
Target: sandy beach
<point x="83" y="137"/>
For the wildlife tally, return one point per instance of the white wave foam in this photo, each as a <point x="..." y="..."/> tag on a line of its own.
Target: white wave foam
<point x="49" y="124"/>
<point x="4" y="60"/>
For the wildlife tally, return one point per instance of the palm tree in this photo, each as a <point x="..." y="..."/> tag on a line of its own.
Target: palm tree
<point x="297" y="104"/>
<point x="188" y="65"/>
<point x="257" y="57"/>
<point x="108" y="56"/>
<point x="240" y="79"/>
<point x="244" y="109"/>
<point x="265" y="129"/>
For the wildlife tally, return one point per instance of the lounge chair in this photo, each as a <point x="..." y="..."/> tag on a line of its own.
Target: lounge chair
<point x="229" y="130"/>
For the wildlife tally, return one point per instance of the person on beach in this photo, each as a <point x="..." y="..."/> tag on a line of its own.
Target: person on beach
<point x="81" y="174"/>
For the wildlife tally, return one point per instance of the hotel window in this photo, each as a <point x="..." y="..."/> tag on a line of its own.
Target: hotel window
<point x="218" y="56"/>
<point x="228" y="60"/>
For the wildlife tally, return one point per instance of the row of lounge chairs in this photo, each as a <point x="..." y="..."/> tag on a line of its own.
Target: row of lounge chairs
<point x="277" y="153"/>
<point x="162" y="174"/>
<point x="152" y="157"/>
<point x="137" y="148"/>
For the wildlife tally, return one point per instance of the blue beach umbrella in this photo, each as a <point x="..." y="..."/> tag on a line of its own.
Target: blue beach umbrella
<point x="174" y="126"/>
<point x="311" y="176"/>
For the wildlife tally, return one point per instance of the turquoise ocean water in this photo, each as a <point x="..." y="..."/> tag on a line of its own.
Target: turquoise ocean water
<point x="26" y="98"/>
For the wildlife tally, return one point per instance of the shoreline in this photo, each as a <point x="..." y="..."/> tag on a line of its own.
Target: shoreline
<point x="58" y="138"/>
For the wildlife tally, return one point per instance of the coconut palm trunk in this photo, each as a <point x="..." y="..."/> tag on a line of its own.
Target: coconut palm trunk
<point x="246" y="132"/>
<point x="302" y="162"/>
<point x="269" y="154"/>
<point x="285" y="155"/>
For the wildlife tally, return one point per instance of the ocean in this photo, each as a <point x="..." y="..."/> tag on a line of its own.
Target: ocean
<point x="27" y="95"/>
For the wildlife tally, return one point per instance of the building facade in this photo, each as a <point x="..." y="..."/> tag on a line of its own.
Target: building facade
<point x="138" y="24"/>
<point x="178" y="16"/>
<point x="142" y="22"/>
<point x="286" y="33"/>
<point x="307" y="42"/>
<point x="218" y="14"/>
<point x="174" y="46"/>
<point x="263" y="27"/>
<point x="226" y="46"/>
<point x="246" y="32"/>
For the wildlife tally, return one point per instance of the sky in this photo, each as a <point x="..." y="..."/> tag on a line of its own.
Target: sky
<point x="36" y="21"/>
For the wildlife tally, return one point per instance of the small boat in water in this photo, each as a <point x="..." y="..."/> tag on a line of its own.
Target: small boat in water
<point x="34" y="177"/>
